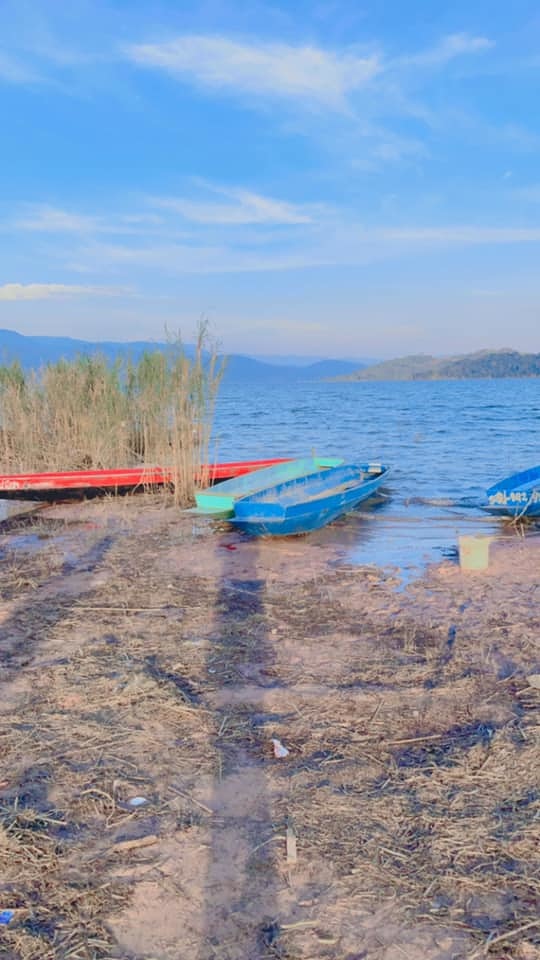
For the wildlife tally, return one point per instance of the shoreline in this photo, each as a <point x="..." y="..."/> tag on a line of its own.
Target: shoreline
<point x="146" y="656"/>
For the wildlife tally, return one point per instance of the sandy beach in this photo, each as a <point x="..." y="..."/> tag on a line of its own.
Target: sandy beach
<point x="221" y="749"/>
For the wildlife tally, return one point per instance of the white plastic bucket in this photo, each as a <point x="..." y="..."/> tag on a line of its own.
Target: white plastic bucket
<point x="474" y="552"/>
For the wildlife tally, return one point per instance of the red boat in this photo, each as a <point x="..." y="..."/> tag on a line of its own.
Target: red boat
<point x="48" y="486"/>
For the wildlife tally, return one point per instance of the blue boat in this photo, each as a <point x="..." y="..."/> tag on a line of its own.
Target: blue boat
<point x="516" y="496"/>
<point x="307" y="503"/>
<point x="219" y="499"/>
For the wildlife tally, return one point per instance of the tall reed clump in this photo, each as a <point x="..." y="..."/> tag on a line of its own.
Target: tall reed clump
<point x="91" y="414"/>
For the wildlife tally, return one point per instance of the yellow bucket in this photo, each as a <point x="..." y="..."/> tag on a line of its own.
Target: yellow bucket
<point x="474" y="552"/>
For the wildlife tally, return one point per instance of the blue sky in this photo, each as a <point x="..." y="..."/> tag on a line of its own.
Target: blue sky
<point x="323" y="178"/>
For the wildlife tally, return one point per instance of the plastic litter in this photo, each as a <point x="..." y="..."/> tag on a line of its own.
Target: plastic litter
<point x="6" y="916"/>
<point x="291" y="846"/>
<point x="474" y="552"/>
<point x="137" y="801"/>
<point x="279" y="750"/>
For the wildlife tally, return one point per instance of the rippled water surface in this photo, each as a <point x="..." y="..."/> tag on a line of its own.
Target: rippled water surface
<point x="445" y="442"/>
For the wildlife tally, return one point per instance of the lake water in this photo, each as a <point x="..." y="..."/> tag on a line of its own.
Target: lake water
<point x="446" y="442"/>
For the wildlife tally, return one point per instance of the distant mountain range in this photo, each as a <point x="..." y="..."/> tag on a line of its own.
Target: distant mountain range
<point x="34" y="351"/>
<point x="483" y="364"/>
<point x="294" y="360"/>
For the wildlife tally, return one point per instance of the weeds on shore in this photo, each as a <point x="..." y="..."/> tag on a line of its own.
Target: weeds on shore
<point x="89" y="413"/>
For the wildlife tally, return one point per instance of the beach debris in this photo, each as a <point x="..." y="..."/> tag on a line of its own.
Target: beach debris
<point x="270" y="933"/>
<point x="324" y="937"/>
<point x="474" y="552"/>
<point x="291" y="846"/>
<point x="279" y="750"/>
<point x="137" y="801"/>
<point x="125" y="845"/>
<point x="534" y="680"/>
<point x="6" y="916"/>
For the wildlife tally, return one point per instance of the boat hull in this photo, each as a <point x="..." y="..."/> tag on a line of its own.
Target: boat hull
<point x="220" y="500"/>
<point x="50" y="486"/>
<point x="304" y="505"/>
<point x="516" y="496"/>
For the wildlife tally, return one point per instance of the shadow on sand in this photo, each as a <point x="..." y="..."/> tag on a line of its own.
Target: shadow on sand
<point x="241" y="889"/>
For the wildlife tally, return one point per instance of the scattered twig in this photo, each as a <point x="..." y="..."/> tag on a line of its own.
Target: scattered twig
<point x="395" y="743"/>
<point x="188" y="796"/>
<point x="125" y="845"/>
<point x="119" y="609"/>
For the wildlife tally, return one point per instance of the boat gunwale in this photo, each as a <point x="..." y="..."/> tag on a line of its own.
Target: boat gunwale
<point x="516" y="481"/>
<point x="280" y="509"/>
<point x="225" y="491"/>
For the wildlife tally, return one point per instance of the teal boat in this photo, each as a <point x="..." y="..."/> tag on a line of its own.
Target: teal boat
<point x="219" y="500"/>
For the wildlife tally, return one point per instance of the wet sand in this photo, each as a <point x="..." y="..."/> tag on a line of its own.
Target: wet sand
<point x="146" y="657"/>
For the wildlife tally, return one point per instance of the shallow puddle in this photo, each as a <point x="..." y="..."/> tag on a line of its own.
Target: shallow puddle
<point x="408" y="542"/>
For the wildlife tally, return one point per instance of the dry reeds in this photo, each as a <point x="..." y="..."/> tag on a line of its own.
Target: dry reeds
<point x="92" y="414"/>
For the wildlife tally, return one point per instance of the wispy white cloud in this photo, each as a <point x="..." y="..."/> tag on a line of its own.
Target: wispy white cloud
<point x="14" y="70"/>
<point x="174" y="259"/>
<point x="363" y="90"/>
<point x="233" y="232"/>
<point x="361" y="87"/>
<point x="42" y="218"/>
<point x="336" y="244"/>
<point x="449" y="47"/>
<point x="246" y="207"/>
<point x="391" y="147"/>
<point x="302" y="73"/>
<point x="273" y="70"/>
<point x="48" y="291"/>
<point x="219" y="206"/>
<point x="141" y="219"/>
<point x="516" y="136"/>
<point x="530" y="193"/>
<point x="461" y="235"/>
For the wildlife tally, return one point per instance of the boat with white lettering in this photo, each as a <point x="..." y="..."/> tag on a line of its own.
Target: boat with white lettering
<point x="516" y="496"/>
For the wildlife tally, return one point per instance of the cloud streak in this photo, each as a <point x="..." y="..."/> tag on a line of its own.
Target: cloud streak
<point x="14" y="71"/>
<point x="49" y="291"/>
<point x="234" y="231"/>
<point x="449" y="47"/>
<point x="337" y="245"/>
<point x="310" y="74"/>
<point x="43" y="218"/>
<point x="274" y="70"/>
<point x="461" y="235"/>
<point x="531" y="194"/>
<point x="246" y="208"/>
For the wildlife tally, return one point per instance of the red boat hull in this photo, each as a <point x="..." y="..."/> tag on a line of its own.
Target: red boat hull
<point x="37" y="486"/>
